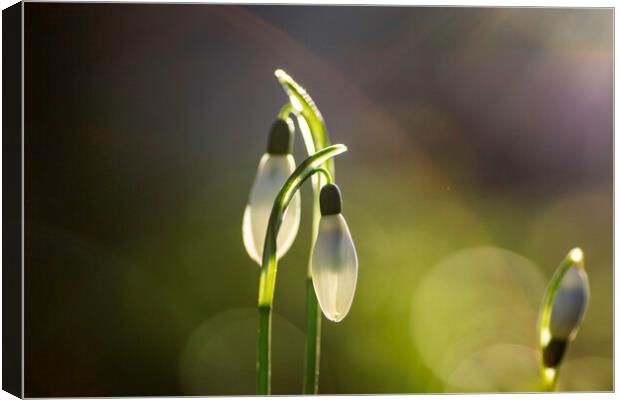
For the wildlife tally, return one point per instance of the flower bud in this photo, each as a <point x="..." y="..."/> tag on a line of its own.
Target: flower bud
<point x="566" y="312"/>
<point x="273" y="170"/>
<point x="334" y="260"/>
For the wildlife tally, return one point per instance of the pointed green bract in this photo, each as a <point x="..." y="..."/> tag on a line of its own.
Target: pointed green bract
<point x="303" y="104"/>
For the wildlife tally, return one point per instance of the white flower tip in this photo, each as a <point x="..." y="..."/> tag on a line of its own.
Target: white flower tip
<point x="335" y="316"/>
<point x="280" y="74"/>
<point x="576" y="256"/>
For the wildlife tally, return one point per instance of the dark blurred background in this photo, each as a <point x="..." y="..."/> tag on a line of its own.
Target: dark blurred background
<point x="480" y="152"/>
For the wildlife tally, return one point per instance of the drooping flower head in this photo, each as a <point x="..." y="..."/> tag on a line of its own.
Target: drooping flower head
<point x="274" y="168"/>
<point x="334" y="260"/>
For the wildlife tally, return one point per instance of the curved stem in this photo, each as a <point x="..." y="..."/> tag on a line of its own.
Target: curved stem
<point x="326" y="174"/>
<point x="315" y="136"/>
<point x="285" y="111"/>
<point x="266" y="288"/>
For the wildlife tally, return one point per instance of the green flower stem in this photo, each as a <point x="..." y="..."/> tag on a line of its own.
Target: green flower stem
<point x="550" y="383"/>
<point x="263" y="362"/>
<point x="269" y="268"/>
<point x="574" y="257"/>
<point x="314" y="316"/>
<point x="326" y="174"/>
<point x="285" y="111"/>
<point x="313" y="340"/>
<point x="315" y="136"/>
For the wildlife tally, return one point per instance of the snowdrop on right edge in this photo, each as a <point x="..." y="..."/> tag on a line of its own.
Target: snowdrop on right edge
<point x="562" y="312"/>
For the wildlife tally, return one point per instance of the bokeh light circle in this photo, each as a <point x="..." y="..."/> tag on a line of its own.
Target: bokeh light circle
<point x="473" y="299"/>
<point x="219" y="358"/>
<point x="497" y="368"/>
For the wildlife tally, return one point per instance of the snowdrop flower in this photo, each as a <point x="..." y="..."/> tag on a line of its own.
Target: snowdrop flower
<point x="334" y="260"/>
<point x="566" y="311"/>
<point x="274" y="168"/>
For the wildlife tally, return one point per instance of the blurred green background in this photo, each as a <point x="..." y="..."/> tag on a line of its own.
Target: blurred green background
<point x="480" y="152"/>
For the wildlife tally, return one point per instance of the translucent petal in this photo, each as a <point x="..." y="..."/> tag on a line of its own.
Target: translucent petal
<point x="334" y="267"/>
<point x="273" y="171"/>
<point x="569" y="304"/>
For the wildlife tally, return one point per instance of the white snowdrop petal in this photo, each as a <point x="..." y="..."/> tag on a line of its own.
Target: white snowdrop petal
<point x="334" y="267"/>
<point x="569" y="304"/>
<point x="273" y="171"/>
